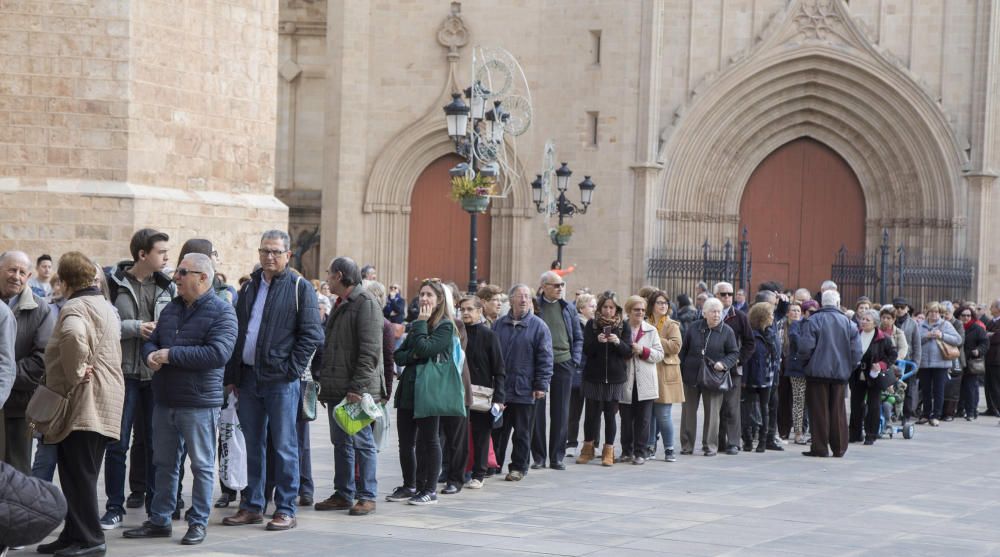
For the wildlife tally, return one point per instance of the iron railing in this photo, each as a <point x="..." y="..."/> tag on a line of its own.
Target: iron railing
<point x="679" y="269"/>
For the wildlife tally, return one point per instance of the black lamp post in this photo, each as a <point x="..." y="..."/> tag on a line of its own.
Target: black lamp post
<point x="562" y="206"/>
<point x="477" y="141"/>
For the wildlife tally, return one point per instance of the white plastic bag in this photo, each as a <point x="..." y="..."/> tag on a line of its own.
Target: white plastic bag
<point x="232" y="448"/>
<point x="382" y="427"/>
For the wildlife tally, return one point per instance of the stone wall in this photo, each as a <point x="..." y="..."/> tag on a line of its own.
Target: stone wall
<point x="119" y="115"/>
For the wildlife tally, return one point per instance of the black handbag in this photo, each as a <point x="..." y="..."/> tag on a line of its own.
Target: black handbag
<point x="977" y="366"/>
<point x="708" y="378"/>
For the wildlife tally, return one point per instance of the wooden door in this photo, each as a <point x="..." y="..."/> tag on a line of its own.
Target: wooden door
<point x="439" y="232"/>
<point x="801" y="204"/>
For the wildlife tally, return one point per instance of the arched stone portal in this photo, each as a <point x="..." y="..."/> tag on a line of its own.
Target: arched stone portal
<point x="801" y="204"/>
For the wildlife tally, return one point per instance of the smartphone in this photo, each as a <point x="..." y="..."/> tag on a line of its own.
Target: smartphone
<point x="607" y="331"/>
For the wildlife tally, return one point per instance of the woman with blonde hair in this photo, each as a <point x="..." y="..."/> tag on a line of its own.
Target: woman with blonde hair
<point x="668" y="374"/>
<point x="641" y="384"/>
<point x="83" y="363"/>
<point x="430" y="335"/>
<point x="935" y="334"/>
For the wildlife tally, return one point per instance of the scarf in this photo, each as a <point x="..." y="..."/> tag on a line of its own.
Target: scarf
<point x="600" y="322"/>
<point x="972" y="323"/>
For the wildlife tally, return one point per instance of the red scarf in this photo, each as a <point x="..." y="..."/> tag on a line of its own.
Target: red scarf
<point x="972" y="323"/>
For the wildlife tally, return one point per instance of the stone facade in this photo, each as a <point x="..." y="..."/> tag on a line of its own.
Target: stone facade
<point x="689" y="98"/>
<point x="118" y="115"/>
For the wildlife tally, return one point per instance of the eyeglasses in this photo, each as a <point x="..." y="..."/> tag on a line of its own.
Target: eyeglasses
<point x="900" y="307"/>
<point x="661" y="302"/>
<point x="186" y="272"/>
<point x="966" y="315"/>
<point x="556" y="284"/>
<point x="724" y="294"/>
<point x="275" y="253"/>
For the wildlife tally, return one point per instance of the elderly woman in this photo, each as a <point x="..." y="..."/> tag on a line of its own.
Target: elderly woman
<point x="758" y="376"/>
<point x="83" y="363"/>
<point x="878" y="355"/>
<point x="607" y="345"/>
<point x="668" y="374"/>
<point x="712" y="342"/>
<point x="977" y="342"/>
<point x="641" y="384"/>
<point x="586" y="307"/>
<point x="935" y="333"/>
<point x="793" y="370"/>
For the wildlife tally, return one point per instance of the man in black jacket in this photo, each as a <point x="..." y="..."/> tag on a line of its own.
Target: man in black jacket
<point x="729" y="419"/>
<point x="34" y="327"/>
<point x="279" y="330"/>
<point x="187" y="352"/>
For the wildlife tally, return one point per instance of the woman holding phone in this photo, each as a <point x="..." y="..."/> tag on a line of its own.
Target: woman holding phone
<point x="607" y="344"/>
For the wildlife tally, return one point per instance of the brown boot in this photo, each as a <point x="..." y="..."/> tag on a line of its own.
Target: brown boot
<point x="586" y="453"/>
<point x="243" y="517"/>
<point x="608" y="455"/>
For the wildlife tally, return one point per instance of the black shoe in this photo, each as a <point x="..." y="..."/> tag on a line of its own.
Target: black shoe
<point x="52" y="547"/>
<point x="557" y="466"/>
<point x="772" y="446"/>
<point x="733" y="450"/>
<point x="869" y="441"/>
<point x="947" y="419"/>
<point x="451" y="489"/>
<point x="537" y="466"/>
<point x="148" y="530"/>
<point x="761" y="447"/>
<point x="224" y="500"/>
<point x="135" y="500"/>
<point x="747" y="447"/>
<point x="306" y="501"/>
<point x="195" y="535"/>
<point x="77" y="551"/>
<point x="810" y="453"/>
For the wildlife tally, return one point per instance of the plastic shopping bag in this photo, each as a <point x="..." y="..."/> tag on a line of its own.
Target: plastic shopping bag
<point x="382" y="427"/>
<point x="232" y="448"/>
<point x="352" y="417"/>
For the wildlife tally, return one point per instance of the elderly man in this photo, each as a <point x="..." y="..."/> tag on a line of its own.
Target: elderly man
<point x="279" y="331"/>
<point x="352" y="366"/>
<point x="34" y="327"/>
<point x="729" y="418"/>
<point x="567" y="349"/>
<point x="8" y="369"/>
<point x="830" y="345"/>
<point x="527" y="356"/>
<point x="187" y="352"/>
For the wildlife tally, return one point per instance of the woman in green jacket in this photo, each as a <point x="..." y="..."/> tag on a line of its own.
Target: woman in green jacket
<point x="419" y="449"/>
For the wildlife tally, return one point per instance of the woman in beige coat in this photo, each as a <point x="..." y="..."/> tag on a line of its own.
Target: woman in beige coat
<point x="668" y="372"/>
<point x="83" y="363"/>
<point x="641" y="385"/>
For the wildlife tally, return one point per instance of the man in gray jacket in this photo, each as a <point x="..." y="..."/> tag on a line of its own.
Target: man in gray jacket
<point x="910" y="328"/>
<point x="830" y="346"/>
<point x="34" y="327"/>
<point x="139" y="291"/>
<point x="8" y="370"/>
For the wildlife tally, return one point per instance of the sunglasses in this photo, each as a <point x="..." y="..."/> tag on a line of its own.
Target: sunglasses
<point x="724" y="294"/>
<point x="556" y="284"/>
<point x="431" y="281"/>
<point x="186" y="272"/>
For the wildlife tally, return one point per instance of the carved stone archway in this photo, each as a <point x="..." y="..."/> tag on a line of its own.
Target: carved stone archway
<point x="815" y="74"/>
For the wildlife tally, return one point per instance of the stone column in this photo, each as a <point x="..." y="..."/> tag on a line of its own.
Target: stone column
<point x="120" y="115"/>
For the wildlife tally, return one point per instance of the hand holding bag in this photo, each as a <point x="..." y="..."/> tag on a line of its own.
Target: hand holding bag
<point x="482" y="398"/>
<point x="438" y="390"/>
<point x="977" y="366"/>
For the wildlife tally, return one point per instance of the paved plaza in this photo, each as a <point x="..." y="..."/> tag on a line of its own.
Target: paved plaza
<point x="931" y="495"/>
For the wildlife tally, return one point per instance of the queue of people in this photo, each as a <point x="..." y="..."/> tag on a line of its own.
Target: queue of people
<point x="144" y="360"/>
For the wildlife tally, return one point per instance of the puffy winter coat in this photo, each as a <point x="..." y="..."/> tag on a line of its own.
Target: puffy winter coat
<point x="34" y="327"/>
<point x="930" y="352"/>
<point x="641" y="369"/>
<point x="30" y="508"/>
<point x="126" y="301"/>
<point x="668" y="370"/>
<point x="353" y="360"/>
<point x="527" y="356"/>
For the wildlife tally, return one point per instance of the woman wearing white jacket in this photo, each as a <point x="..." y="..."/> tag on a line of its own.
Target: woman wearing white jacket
<point x="641" y="383"/>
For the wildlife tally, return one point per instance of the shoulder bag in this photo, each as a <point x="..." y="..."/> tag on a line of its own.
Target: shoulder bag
<point x="438" y="389"/>
<point x="708" y="378"/>
<point x="948" y="351"/>
<point x="977" y="366"/>
<point x="482" y="398"/>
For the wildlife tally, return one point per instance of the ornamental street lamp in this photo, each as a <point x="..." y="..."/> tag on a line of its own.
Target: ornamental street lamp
<point x="478" y="135"/>
<point x="562" y="206"/>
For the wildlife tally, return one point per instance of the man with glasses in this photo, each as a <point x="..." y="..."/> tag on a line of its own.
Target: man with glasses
<point x="567" y="349"/>
<point x="279" y="331"/>
<point x="139" y="291"/>
<point x="729" y="420"/>
<point x="912" y="331"/>
<point x="187" y="352"/>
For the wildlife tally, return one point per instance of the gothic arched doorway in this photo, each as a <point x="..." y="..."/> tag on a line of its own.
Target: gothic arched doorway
<point x="439" y="231"/>
<point x="801" y="204"/>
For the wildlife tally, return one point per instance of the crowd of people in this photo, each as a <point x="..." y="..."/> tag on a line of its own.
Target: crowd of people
<point x="129" y="367"/>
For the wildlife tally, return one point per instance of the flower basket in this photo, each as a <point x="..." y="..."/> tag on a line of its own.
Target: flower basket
<point x="475" y="204"/>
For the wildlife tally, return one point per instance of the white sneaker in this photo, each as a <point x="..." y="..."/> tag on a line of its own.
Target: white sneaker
<point x="474" y="484"/>
<point x="571" y="452"/>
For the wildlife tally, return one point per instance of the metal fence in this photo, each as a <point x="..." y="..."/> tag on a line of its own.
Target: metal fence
<point x="886" y="273"/>
<point x="678" y="270"/>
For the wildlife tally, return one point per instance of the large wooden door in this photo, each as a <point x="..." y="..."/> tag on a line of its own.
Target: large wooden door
<point x="801" y="204"/>
<point x="439" y="231"/>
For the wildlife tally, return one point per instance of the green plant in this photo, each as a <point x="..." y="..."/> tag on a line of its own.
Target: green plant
<point x="463" y="187"/>
<point x="564" y="230"/>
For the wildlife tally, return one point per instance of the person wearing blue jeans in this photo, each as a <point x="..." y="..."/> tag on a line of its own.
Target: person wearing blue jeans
<point x="188" y="350"/>
<point x="279" y="332"/>
<point x="668" y="373"/>
<point x="352" y="366"/>
<point x="138" y="398"/>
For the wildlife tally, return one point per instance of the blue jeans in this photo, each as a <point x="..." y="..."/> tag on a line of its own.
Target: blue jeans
<point x="174" y="431"/>
<point x="44" y="466"/>
<point x="138" y="398"/>
<point x="662" y="423"/>
<point x="270" y="408"/>
<point x="347" y="449"/>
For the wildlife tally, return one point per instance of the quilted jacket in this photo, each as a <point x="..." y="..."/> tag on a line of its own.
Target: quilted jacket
<point x="641" y="370"/>
<point x="30" y="508"/>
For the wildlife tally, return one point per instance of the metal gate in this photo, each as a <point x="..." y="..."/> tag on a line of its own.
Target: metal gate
<point x="678" y="270"/>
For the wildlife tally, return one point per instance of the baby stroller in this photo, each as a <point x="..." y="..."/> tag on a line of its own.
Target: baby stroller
<point x="892" y="403"/>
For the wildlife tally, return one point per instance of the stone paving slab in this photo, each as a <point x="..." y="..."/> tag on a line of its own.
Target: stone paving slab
<point x="932" y="495"/>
